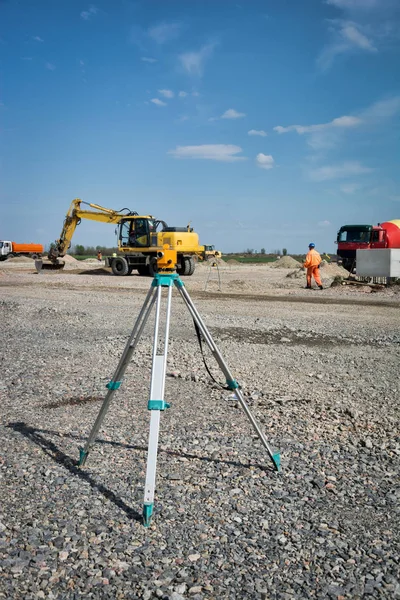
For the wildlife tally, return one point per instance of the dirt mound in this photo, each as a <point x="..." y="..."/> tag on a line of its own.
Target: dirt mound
<point x="19" y="259"/>
<point x="70" y="260"/>
<point x="286" y="262"/>
<point x="297" y="274"/>
<point x="233" y="261"/>
<point x="333" y="270"/>
<point x="239" y="284"/>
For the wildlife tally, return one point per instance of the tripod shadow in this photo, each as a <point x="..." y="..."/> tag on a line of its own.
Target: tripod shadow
<point x="34" y="435"/>
<point x="25" y="429"/>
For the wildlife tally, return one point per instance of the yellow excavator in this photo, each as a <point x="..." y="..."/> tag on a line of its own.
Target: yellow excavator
<point x="139" y="240"/>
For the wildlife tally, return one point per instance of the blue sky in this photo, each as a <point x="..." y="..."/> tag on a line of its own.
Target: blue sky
<point x="267" y="124"/>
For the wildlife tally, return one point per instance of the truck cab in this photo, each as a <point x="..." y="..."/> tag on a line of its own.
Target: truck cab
<point x="351" y="238"/>
<point x="5" y="249"/>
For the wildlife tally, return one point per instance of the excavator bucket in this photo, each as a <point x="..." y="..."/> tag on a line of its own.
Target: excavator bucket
<point x="49" y="265"/>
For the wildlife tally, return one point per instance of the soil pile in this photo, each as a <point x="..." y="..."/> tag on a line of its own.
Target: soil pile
<point x="19" y="259"/>
<point x="239" y="284"/>
<point x="333" y="270"/>
<point x="286" y="262"/>
<point x="297" y="274"/>
<point x="70" y="262"/>
<point x="233" y="261"/>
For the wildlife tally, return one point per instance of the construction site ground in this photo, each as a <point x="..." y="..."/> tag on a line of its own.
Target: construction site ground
<point x="320" y="371"/>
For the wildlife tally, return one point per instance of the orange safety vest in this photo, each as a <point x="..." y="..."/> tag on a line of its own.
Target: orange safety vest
<point x="313" y="259"/>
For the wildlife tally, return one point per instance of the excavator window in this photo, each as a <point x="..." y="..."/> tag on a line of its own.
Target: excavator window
<point x="124" y="233"/>
<point x="139" y="234"/>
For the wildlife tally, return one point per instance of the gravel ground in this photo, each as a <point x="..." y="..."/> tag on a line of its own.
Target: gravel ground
<point x="320" y="372"/>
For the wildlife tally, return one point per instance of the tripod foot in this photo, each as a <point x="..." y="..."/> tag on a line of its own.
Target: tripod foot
<point x="147" y="512"/>
<point x="82" y="457"/>
<point x="276" y="459"/>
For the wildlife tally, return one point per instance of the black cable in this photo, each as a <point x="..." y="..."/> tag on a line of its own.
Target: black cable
<point x="198" y="333"/>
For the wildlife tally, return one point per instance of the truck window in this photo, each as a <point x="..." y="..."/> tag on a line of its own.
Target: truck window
<point x="375" y="236"/>
<point x="354" y="235"/>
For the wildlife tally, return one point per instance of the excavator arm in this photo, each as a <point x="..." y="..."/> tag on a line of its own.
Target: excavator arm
<point x="74" y="216"/>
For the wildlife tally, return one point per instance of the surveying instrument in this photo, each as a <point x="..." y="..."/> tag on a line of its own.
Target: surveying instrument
<point x="165" y="277"/>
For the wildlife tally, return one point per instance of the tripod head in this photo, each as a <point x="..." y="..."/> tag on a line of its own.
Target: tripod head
<point x="166" y="260"/>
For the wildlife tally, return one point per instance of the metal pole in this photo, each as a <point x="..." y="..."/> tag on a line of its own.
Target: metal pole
<point x="156" y="405"/>
<point x="275" y="457"/>
<point x="116" y="381"/>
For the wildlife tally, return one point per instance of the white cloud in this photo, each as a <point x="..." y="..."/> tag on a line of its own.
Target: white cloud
<point x="218" y="152"/>
<point x="356" y="38"/>
<point x="231" y="113"/>
<point x="259" y="132"/>
<point x="50" y="66"/>
<point x="325" y="223"/>
<point x="166" y="93"/>
<point x="193" y="62"/>
<point x="346" y="169"/>
<point x="383" y="109"/>
<point x="329" y="135"/>
<point x="148" y="60"/>
<point x="38" y="39"/>
<point x="158" y="102"/>
<point x="182" y="94"/>
<point x="349" y="188"/>
<point x="344" y="121"/>
<point x="88" y="14"/>
<point x="353" y="4"/>
<point x="265" y="161"/>
<point x="346" y="37"/>
<point x="164" y="32"/>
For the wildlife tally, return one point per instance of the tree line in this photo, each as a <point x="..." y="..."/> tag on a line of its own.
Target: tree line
<point x="80" y="250"/>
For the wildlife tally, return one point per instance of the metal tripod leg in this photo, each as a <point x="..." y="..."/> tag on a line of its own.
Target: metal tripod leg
<point x="156" y="403"/>
<point x="116" y="381"/>
<point x="232" y="383"/>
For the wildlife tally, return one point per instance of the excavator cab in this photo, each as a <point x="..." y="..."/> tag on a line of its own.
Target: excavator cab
<point x="137" y="232"/>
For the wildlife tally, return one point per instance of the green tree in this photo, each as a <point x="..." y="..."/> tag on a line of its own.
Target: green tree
<point x="262" y="251"/>
<point x="284" y="251"/>
<point x="79" y="249"/>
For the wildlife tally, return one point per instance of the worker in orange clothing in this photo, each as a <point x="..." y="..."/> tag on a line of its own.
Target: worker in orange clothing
<point x="312" y="264"/>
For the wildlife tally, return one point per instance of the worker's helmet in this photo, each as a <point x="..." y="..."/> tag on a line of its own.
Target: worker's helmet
<point x="311" y="245"/>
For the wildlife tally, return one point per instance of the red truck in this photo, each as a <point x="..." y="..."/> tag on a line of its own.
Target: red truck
<point x="8" y="249"/>
<point x="351" y="238"/>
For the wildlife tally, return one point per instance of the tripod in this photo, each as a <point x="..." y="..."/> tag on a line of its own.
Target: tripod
<point x="166" y="278"/>
<point x="213" y="264"/>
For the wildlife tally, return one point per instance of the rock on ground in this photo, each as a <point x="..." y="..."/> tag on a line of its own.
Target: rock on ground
<point x="319" y="371"/>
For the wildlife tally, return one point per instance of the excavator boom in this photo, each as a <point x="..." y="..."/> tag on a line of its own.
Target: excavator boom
<point x="74" y="216"/>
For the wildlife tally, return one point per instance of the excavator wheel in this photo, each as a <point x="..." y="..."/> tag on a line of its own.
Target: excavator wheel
<point x="187" y="266"/>
<point x="153" y="269"/>
<point x="119" y="266"/>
